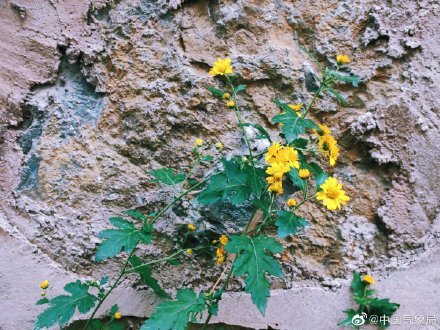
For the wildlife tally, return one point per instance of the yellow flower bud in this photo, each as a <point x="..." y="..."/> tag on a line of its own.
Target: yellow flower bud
<point x="199" y="142"/>
<point x="304" y="173"/>
<point x="295" y="107"/>
<point x="291" y="202"/>
<point x="191" y="227"/>
<point x="368" y="279"/>
<point x="224" y="239"/>
<point x="343" y="59"/>
<point x="219" y="145"/>
<point x="226" y="96"/>
<point x="189" y="252"/>
<point x="230" y="104"/>
<point x="44" y="285"/>
<point x="117" y="315"/>
<point x="43" y="293"/>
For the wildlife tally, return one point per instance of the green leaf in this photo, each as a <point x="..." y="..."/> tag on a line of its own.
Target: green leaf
<point x="137" y="215"/>
<point x="124" y="238"/>
<point x="357" y="285"/>
<point x="147" y="277"/>
<point x="293" y="125"/>
<point x="62" y="308"/>
<point x="260" y="129"/>
<point x="176" y="314"/>
<point x="97" y="324"/>
<point x="207" y="159"/>
<point x="104" y="280"/>
<point x="240" y="88"/>
<point x="288" y="223"/>
<point x="297" y="181"/>
<point x="382" y="307"/>
<point x="347" y="321"/>
<point x="215" y="92"/>
<point x="167" y="176"/>
<point x="338" y="96"/>
<point x="352" y="79"/>
<point x="318" y="173"/>
<point x="299" y="143"/>
<point x="254" y="259"/>
<point x="235" y="184"/>
<point x="42" y="301"/>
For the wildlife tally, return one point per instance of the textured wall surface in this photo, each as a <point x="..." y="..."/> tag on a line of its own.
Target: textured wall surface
<point x="93" y="94"/>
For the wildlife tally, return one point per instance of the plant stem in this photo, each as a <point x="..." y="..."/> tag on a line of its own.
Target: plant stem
<point x="121" y="273"/>
<point x="315" y="95"/>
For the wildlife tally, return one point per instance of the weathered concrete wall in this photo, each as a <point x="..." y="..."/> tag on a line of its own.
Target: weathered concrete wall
<point x="94" y="94"/>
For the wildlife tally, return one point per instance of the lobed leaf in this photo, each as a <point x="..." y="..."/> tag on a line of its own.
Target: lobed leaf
<point x="167" y="176"/>
<point x="215" y="91"/>
<point x="288" y="223"/>
<point x="352" y="79"/>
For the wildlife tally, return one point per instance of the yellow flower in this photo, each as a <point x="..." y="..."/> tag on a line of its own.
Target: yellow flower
<point x="117" y="315"/>
<point x="219" y="145"/>
<point x="323" y="130"/>
<point x="230" y="104"/>
<point x="191" y="227"/>
<point x="224" y="239"/>
<point x="276" y="186"/>
<point x="342" y="59"/>
<point x="214" y="241"/>
<point x="368" y="279"/>
<point x="291" y="202"/>
<point x="277" y="170"/>
<point x="220" y="255"/>
<point x="221" y="67"/>
<point x="289" y="156"/>
<point x="199" y="142"/>
<point x="332" y="195"/>
<point x="295" y="107"/>
<point x="44" y="285"/>
<point x="328" y="146"/>
<point x="189" y="252"/>
<point x="226" y="96"/>
<point x="304" y="173"/>
<point x="272" y="152"/>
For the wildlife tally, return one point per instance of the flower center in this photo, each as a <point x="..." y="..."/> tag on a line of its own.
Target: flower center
<point x="332" y="193"/>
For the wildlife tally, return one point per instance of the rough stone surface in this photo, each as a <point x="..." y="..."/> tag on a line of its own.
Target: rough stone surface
<point x="93" y="94"/>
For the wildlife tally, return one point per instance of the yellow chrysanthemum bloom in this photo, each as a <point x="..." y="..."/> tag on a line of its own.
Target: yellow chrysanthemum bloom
<point x="230" y="104"/>
<point x="289" y="156"/>
<point x="191" y="227"/>
<point x="189" y="252"/>
<point x="221" y="67"/>
<point x="226" y="96"/>
<point x="277" y="170"/>
<point x="117" y="315"/>
<point x="368" y="279"/>
<point x="332" y="195"/>
<point x="220" y="255"/>
<point x="295" y="107"/>
<point x="224" y="239"/>
<point x="323" y="130"/>
<point x="219" y="145"/>
<point x="199" y="142"/>
<point x="44" y="285"/>
<point x="291" y="202"/>
<point x="328" y="146"/>
<point x="304" y="173"/>
<point x="343" y="59"/>
<point x="272" y="152"/>
<point x="276" y="186"/>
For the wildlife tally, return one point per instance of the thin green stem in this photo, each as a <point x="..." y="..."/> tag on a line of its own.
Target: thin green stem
<point x="313" y="100"/>
<point x="121" y="273"/>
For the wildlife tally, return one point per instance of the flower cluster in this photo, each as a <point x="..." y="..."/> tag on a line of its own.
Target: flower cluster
<point x="44" y="285"/>
<point x="281" y="159"/>
<point x="327" y="144"/>
<point x="221" y="252"/>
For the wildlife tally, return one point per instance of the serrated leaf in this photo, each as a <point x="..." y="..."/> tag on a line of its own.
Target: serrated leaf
<point x="347" y="321"/>
<point x="352" y="79"/>
<point x="176" y="314"/>
<point x="235" y="184"/>
<point x="240" y="88"/>
<point x="147" y="278"/>
<point x="62" y="308"/>
<point x="97" y="324"/>
<point x="167" y="176"/>
<point x="381" y="307"/>
<point x="114" y="309"/>
<point x="260" y="129"/>
<point x="124" y="238"/>
<point x="207" y="159"/>
<point x="104" y="280"/>
<point x="338" y="96"/>
<point x="288" y="223"/>
<point x="293" y="125"/>
<point x="357" y="285"/>
<point x="297" y="181"/>
<point x="215" y="91"/>
<point x="299" y="143"/>
<point x="254" y="259"/>
<point x="137" y="215"/>
<point x="42" y="301"/>
<point x="318" y="173"/>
